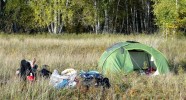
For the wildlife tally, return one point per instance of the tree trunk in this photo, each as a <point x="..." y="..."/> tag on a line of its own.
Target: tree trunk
<point x="136" y="17"/>
<point x="49" y="29"/>
<point x="98" y="25"/>
<point x="66" y="3"/>
<point x="61" y="28"/>
<point x="126" y="6"/>
<point x="96" y="16"/>
<point x="15" y="29"/>
<point x="55" y="18"/>
<point x="0" y="5"/>
<point x="133" y="19"/>
<point x="148" y="16"/>
<point x="58" y="21"/>
<point x="122" y="25"/>
<point x="142" y="17"/>
<point x="105" y="29"/>
<point x="57" y="24"/>
<point x="115" y="22"/>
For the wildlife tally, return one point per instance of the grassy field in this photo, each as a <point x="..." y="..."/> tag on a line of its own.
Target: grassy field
<point x="82" y="52"/>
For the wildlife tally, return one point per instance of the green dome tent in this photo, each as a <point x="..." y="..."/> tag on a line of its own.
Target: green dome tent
<point x="129" y="56"/>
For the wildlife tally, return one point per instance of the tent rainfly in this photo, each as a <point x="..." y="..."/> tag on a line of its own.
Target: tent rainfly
<point x="129" y="56"/>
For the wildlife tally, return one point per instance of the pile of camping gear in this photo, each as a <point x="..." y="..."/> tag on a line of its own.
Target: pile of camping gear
<point x="68" y="78"/>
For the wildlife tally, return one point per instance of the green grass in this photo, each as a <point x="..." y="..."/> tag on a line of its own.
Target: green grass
<point x="82" y="52"/>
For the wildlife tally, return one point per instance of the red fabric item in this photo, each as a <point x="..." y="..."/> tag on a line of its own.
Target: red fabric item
<point x="30" y="78"/>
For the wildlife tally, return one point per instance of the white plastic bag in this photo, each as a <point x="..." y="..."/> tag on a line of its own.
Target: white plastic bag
<point x="68" y="74"/>
<point x="55" y="78"/>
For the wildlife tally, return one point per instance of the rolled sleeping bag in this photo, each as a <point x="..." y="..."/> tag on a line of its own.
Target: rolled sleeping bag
<point x="72" y="73"/>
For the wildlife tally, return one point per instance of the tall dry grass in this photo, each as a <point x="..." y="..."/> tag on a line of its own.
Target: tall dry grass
<point x="82" y="52"/>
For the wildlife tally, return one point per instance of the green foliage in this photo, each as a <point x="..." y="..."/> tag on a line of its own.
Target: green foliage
<point x="182" y="13"/>
<point x="76" y="16"/>
<point x="43" y="12"/>
<point x="166" y="13"/>
<point x="25" y="17"/>
<point x="21" y="13"/>
<point x="170" y="14"/>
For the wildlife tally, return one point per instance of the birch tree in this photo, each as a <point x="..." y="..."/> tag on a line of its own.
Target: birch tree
<point x="47" y="13"/>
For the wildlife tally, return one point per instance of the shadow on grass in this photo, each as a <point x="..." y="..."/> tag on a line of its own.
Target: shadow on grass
<point x="179" y="68"/>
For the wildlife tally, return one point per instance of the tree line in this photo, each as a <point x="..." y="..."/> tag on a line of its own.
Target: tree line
<point x="96" y="16"/>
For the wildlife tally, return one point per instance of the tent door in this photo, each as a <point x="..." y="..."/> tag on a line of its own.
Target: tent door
<point x="141" y="59"/>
